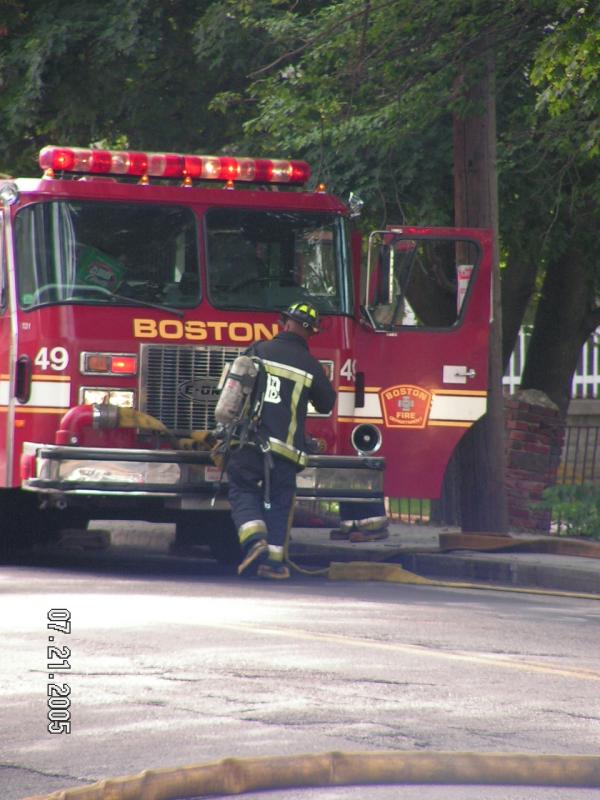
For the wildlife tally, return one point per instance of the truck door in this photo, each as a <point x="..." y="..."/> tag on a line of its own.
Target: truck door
<point x="421" y="352"/>
<point x="5" y="340"/>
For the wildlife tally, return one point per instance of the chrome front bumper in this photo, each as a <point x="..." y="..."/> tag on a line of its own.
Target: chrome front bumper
<point x="66" y="470"/>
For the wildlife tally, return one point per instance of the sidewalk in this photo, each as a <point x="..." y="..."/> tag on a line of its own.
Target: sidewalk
<point x="435" y="553"/>
<point x="438" y="553"/>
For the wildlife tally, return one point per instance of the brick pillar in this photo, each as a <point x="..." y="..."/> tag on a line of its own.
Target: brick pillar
<point x="534" y="439"/>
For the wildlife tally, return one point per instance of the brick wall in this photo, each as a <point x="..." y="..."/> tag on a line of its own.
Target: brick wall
<point x="534" y="438"/>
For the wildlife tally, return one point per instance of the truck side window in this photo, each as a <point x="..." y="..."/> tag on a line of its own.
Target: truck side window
<point x="420" y="283"/>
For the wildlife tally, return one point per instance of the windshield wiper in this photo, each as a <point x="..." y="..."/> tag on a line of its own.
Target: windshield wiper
<point x="130" y="301"/>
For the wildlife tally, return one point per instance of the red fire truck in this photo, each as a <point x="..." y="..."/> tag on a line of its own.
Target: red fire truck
<point x="129" y="280"/>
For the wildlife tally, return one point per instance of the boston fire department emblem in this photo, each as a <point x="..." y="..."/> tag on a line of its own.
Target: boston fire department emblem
<point x="405" y="406"/>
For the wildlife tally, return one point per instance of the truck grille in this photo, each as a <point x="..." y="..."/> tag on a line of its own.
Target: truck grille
<point x="179" y="384"/>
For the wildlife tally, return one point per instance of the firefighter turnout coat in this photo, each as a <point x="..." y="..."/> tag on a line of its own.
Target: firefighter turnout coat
<point x="293" y="378"/>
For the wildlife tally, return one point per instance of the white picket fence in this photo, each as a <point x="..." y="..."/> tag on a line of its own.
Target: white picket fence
<point x="586" y="381"/>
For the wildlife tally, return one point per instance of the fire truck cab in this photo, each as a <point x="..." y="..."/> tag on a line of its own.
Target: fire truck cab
<point x="129" y="280"/>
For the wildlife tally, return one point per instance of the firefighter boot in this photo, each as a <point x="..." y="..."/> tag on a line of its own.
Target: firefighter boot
<point x="370" y="529"/>
<point x="344" y="531"/>
<point x="273" y="567"/>
<point x="255" y="551"/>
<point x="273" y="572"/>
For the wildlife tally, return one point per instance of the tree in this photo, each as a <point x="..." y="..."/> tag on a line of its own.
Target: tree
<point x="566" y="73"/>
<point x="138" y="74"/>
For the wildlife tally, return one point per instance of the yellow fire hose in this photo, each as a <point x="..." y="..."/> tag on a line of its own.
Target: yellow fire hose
<point x="394" y="573"/>
<point x="132" y="418"/>
<point x="238" y="775"/>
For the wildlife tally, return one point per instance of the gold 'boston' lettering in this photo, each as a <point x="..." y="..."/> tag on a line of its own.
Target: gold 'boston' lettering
<point x="199" y="331"/>
<point x="195" y="330"/>
<point x="170" y="329"/>
<point x="240" y="332"/>
<point x="261" y="331"/>
<point x="144" y="329"/>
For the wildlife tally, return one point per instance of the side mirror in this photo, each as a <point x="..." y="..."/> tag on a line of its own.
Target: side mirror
<point x="355" y="204"/>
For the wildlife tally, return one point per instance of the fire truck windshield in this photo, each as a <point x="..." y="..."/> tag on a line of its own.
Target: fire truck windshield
<point x="269" y="259"/>
<point x="106" y="252"/>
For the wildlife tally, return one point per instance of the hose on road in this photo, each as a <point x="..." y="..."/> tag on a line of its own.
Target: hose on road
<point x="394" y="573"/>
<point x="238" y="775"/>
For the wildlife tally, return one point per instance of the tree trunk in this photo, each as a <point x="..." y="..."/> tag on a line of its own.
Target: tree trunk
<point x="518" y="285"/>
<point x="481" y="452"/>
<point x="564" y="320"/>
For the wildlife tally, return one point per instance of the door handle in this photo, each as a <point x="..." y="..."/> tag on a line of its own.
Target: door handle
<point x="457" y="374"/>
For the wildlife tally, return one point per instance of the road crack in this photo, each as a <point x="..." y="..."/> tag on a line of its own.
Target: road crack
<point x="44" y="773"/>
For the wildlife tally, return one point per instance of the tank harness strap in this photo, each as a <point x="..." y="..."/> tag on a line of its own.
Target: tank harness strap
<point x="268" y="465"/>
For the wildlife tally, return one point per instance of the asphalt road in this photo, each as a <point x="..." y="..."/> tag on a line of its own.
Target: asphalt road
<point x="175" y="661"/>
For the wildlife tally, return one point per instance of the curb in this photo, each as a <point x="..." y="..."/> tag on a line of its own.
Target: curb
<point x="508" y="571"/>
<point x="523" y="570"/>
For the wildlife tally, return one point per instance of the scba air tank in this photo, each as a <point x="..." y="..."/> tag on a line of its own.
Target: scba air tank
<point x="235" y="392"/>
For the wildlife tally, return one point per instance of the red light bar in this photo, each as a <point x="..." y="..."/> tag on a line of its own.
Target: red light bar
<point x="173" y="165"/>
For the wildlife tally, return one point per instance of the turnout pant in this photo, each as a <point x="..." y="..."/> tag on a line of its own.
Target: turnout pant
<point x="246" y="473"/>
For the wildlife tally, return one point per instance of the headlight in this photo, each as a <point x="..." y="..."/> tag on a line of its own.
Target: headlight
<point x="9" y="194"/>
<point x="125" y="398"/>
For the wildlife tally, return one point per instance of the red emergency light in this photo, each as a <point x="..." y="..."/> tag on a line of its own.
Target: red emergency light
<point x="173" y="165"/>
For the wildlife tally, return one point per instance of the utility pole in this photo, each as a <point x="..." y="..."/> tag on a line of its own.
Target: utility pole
<point x="481" y="456"/>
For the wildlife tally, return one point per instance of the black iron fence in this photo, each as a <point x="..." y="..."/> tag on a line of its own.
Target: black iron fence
<point x="580" y="464"/>
<point x="580" y="461"/>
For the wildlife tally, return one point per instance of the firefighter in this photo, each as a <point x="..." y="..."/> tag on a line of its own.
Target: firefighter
<point x="262" y="474"/>
<point x="362" y="522"/>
